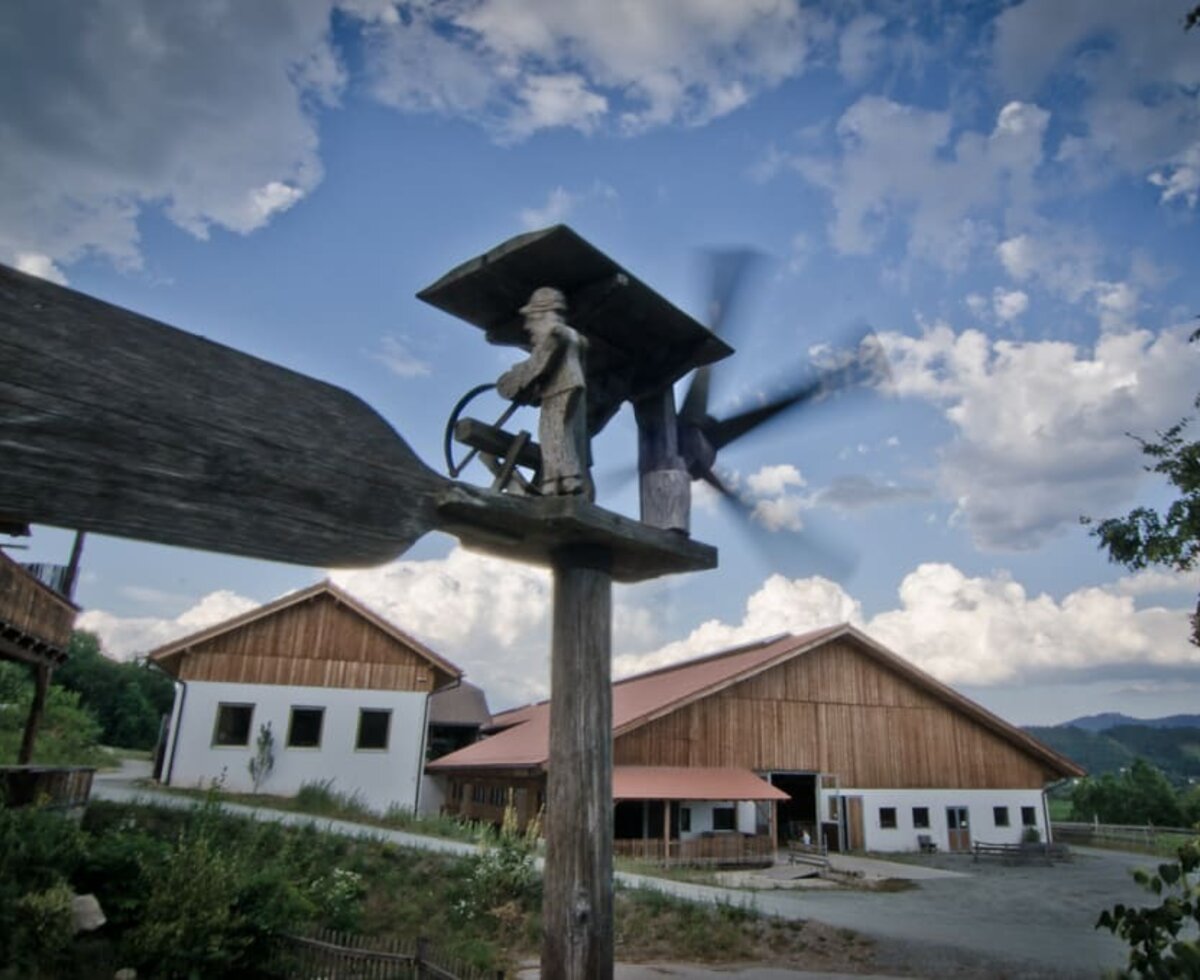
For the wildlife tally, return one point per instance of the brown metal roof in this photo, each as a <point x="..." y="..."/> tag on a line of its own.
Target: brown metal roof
<point x="682" y="783"/>
<point x="636" y="700"/>
<point x="459" y="704"/>
<point x="641" y="699"/>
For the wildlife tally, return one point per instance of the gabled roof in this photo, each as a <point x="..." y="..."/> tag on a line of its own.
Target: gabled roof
<point x="167" y="655"/>
<point x="524" y="740"/>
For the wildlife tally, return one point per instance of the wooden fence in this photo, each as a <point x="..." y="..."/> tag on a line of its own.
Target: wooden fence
<point x="331" y="955"/>
<point x="720" y="849"/>
<point x="61" y="787"/>
<point x="1117" y="835"/>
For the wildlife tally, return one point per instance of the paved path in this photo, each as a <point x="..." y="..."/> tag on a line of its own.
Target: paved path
<point x="1039" y="919"/>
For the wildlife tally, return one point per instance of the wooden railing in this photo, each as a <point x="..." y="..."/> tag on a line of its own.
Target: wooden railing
<point x="33" y="608"/>
<point x="719" y="849"/>
<point x="330" y="955"/>
<point x="1119" y="835"/>
<point x="61" y="787"/>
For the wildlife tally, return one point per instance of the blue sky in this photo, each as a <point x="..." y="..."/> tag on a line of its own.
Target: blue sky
<point x="1005" y="193"/>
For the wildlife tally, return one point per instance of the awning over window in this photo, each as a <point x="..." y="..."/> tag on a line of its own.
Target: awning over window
<point x="688" y="783"/>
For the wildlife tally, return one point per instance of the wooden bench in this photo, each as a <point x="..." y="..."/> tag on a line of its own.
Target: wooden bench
<point x="1020" y="853"/>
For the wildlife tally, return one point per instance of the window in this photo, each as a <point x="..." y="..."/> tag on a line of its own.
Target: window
<point x="496" y="796"/>
<point x="887" y="817"/>
<point x="233" y="724"/>
<point x="724" y="818"/>
<point x="304" y="729"/>
<point x="373" y="725"/>
<point x="478" y="793"/>
<point x="1000" y="816"/>
<point x="685" y="819"/>
<point x="1028" y="816"/>
<point x="921" y="817"/>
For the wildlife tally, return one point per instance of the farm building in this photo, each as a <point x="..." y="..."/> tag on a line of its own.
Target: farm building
<point x="828" y="734"/>
<point x="345" y="693"/>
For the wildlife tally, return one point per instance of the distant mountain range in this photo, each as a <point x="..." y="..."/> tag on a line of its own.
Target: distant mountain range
<point x="1114" y="719"/>
<point x="1110" y="742"/>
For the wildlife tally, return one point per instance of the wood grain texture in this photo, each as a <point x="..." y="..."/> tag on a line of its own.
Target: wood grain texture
<point x="577" y="909"/>
<point x="318" y="643"/>
<point x="29" y="607"/>
<point x="835" y="710"/>
<point x="113" y="422"/>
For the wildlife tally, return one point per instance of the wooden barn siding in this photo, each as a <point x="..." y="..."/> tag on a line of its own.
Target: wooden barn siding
<point x="318" y="643"/>
<point x="834" y="711"/>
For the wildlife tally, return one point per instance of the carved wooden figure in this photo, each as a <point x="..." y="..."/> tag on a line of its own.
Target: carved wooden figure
<point x="553" y="378"/>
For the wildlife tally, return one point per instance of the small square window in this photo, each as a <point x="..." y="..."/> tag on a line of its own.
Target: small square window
<point x="304" y="729"/>
<point x="887" y="817"/>
<point x="373" y="727"/>
<point x="685" y="819"/>
<point x="724" y="818"/>
<point x="1000" y="816"/>
<point x="233" y="724"/>
<point x="921" y="817"/>
<point x="1028" y="816"/>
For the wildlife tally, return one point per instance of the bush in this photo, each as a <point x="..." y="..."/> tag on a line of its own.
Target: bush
<point x="504" y="878"/>
<point x="1152" y="931"/>
<point x="39" y="852"/>
<point x="43" y="929"/>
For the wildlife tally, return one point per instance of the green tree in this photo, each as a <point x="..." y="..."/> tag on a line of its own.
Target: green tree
<point x="1139" y="795"/>
<point x="128" y="699"/>
<point x="68" y="734"/>
<point x="1172" y="539"/>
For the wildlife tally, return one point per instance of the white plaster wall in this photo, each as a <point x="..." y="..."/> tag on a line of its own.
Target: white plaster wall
<point x="979" y="803"/>
<point x="702" y="816"/>
<point x="433" y="796"/>
<point x="382" y="777"/>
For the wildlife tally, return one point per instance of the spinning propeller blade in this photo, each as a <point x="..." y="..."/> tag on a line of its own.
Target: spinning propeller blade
<point x="728" y="272"/>
<point x="865" y="365"/>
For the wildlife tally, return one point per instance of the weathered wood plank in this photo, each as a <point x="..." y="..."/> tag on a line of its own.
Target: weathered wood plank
<point x="577" y="910"/>
<point x="113" y="422"/>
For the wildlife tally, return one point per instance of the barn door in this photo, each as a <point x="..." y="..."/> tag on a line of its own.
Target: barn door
<point x="958" y="828"/>
<point x="853" y="809"/>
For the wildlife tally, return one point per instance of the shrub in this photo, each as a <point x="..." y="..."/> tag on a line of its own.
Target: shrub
<point x="43" y="929"/>
<point x="1153" y="931"/>
<point x="505" y="873"/>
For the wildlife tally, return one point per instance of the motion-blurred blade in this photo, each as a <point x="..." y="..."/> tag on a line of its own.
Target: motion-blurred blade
<point x="727" y="272"/>
<point x="866" y="367"/>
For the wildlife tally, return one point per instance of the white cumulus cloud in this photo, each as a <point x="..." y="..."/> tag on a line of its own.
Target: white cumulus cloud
<point x="1040" y="427"/>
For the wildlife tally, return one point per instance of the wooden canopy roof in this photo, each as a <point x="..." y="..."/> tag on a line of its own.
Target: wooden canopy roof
<point x="640" y="342"/>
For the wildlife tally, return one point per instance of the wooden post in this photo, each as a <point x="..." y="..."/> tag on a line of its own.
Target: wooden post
<point x="666" y="487"/>
<point x="666" y="833"/>
<point x="577" y="909"/>
<point x="41" y="683"/>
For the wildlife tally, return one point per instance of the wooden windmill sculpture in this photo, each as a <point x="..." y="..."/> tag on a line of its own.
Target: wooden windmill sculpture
<point x="115" y="423"/>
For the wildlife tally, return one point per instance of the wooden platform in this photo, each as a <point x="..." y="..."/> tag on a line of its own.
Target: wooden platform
<point x="531" y="529"/>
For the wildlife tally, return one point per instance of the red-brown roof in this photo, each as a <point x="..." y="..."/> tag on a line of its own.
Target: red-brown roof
<point x="683" y="783"/>
<point x="637" y="700"/>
